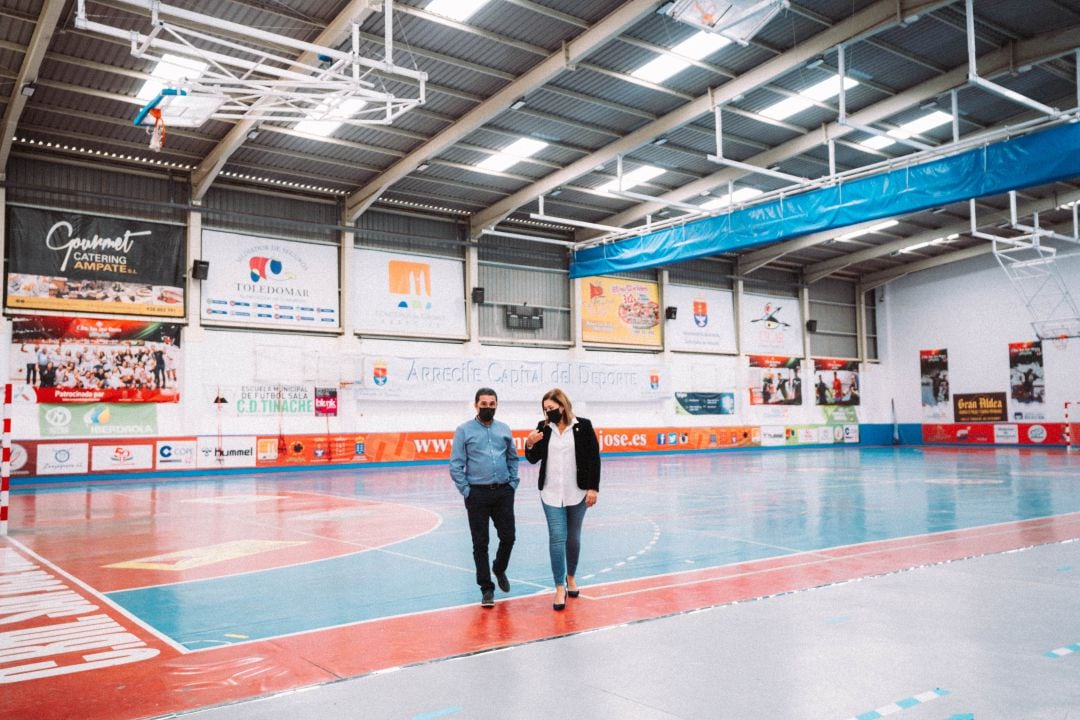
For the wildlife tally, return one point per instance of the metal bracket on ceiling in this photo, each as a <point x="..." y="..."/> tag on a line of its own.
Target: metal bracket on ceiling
<point x="269" y="84"/>
<point x="1030" y="264"/>
<point x="973" y="72"/>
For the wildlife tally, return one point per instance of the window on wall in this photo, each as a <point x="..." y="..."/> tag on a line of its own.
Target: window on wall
<point x="833" y="307"/>
<point x="526" y="292"/>
<point x="870" y="323"/>
<point x="706" y="272"/>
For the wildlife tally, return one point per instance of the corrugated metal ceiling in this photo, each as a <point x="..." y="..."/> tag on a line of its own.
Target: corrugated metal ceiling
<point x="85" y="88"/>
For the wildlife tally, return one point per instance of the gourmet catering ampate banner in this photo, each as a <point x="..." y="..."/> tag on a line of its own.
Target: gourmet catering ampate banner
<point x="94" y="360"/>
<point x="82" y="263"/>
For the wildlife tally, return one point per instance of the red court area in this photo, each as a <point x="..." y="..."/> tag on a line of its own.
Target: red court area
<point x="73" y="643"/>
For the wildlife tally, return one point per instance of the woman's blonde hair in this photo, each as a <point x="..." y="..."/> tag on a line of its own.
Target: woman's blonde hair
<point x="559" y="397"/>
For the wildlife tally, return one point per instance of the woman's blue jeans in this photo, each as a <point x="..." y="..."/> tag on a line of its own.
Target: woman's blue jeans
<point x="564" y="535"/>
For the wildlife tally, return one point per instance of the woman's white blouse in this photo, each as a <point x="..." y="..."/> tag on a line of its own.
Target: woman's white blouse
<point x="560" y="477"/>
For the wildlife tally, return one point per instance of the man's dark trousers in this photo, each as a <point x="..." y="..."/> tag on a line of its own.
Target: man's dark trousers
<point x="494" y="503"/>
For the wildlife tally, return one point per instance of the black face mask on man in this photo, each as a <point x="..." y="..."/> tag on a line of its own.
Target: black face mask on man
<point x="486" y="414"/>
<point x="554" y="416"/>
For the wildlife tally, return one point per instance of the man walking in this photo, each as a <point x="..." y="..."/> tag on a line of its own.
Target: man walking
<point x="484" y="467"/>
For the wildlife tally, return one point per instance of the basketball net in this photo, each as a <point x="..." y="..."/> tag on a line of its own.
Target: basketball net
<point x="1061" y="342"/>
<point x="157" y="133"/>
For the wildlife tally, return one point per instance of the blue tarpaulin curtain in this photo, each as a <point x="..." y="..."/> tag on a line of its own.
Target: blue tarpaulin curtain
<point x="1035" y="159"/>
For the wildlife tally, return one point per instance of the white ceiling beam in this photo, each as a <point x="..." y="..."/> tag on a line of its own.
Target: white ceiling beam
<point x="820" y="270"/>
<point x="881" y="14"/>
<point x="340" y="28"/>
<point x="1036" y="49"/>
<point x="876" y="280"/>
<point x="28" y="72"/>
<point x="573" y="51"/>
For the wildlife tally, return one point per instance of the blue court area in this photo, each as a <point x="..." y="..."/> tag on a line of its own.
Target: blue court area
<point x="656" y="515"/>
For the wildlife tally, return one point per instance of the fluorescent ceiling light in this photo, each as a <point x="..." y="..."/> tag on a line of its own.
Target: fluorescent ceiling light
<point x="696" y="47"/>
<point x="915" y="127"/>
<point x="872" y="229"/>
<point x="460" y="10"/>
<point x="928" y="243"/>
<point x="643" y="174"/>
<point x="739" y="196"/>
<point x="513" y="153"/>
<point x="170" y="70"/>
<point x="324" y="120"/>
<point x="877" y="142"/>
<point x="701" y="45"/>
<point x="918" y="127"/>
<point x="822" y="91"/>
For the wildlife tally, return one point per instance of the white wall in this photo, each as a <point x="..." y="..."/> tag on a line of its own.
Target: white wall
<point x="972" y="309"/>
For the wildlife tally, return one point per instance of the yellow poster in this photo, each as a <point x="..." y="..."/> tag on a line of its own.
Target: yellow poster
<point x="619" y="311"/>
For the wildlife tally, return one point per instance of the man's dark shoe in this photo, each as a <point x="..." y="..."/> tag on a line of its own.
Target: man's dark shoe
<point x="504" y="582"/>
<point x="488" y="600"/>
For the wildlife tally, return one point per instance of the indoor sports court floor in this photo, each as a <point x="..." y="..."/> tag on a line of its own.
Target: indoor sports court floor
<point x="187" y="597"/>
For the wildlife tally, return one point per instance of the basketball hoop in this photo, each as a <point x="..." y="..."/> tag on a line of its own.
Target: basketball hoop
<point x="1061" y="342"/>
<point x="157" y="132"/>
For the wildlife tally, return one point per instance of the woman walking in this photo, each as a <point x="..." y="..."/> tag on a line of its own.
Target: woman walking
<point x="569" y="455"/>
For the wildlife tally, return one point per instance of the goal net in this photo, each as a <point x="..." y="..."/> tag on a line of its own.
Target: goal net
<point x="1072" y="425"/>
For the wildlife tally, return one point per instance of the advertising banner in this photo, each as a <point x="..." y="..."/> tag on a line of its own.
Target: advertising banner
<point x="63" y="458"/>
<point x="261" y="400"/>
<point x="1027" y="384"/>
<point x="836" y="381"/>
<point x="456" y="379"/>
<point x="989" y="434"/>
<point x="228" y="451"/>
<point x="113" y="458"/>
<point x="701" y="403"/>
<point x="771" y="325"/>
<point x="704" y="319"/>
<point x="326" y="402"/>
<point x="775" y="380"/>
<point x="934" y="381"/>
<point x="93" y="360"/>
<point x="81" y="263"/>
<point x="97" y="420"/>
<point x="311" y="449"/>
<point x="619" y="311"/>
<point x="175" y="454"/>
<point x="979" y="407"/>
<point x="269" y="283"/>
<point x="399" y="294"/>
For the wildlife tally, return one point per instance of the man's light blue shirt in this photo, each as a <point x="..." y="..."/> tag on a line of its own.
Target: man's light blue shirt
<point x="483" y="455"/>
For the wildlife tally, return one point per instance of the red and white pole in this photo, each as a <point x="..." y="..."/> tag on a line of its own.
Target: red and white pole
<point x="5" y="465"/>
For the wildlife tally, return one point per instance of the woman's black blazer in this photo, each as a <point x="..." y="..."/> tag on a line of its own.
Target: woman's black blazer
<point x="586" y="452"/>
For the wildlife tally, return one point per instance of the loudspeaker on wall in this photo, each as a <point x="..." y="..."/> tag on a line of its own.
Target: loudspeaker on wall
<point x="811" y="326"/>
<point x="200" y="269"/>
<point x="478" y="295"/>
<point x="670" y="312"/>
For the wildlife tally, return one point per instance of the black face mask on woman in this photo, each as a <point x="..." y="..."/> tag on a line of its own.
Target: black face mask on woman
<point x="554" y="416"/>
<point x="486" y="414"/>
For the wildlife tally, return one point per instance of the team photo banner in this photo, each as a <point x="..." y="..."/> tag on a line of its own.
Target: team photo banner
<point x="775" y="380"/>
<point x="771" y="325"/>
<point x="836" y="381"/>
<point x="618" y="311"/>
<point x="270" y="283"/>
<point x="704" y="319"/>
<point x="1027" y="383"/>
<point x="94" y="360"/>
<point x="934" y="384"/>
<point x="397" y="294"/>
<point x="457" y="379"/>
<point x="82" y="263"/>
